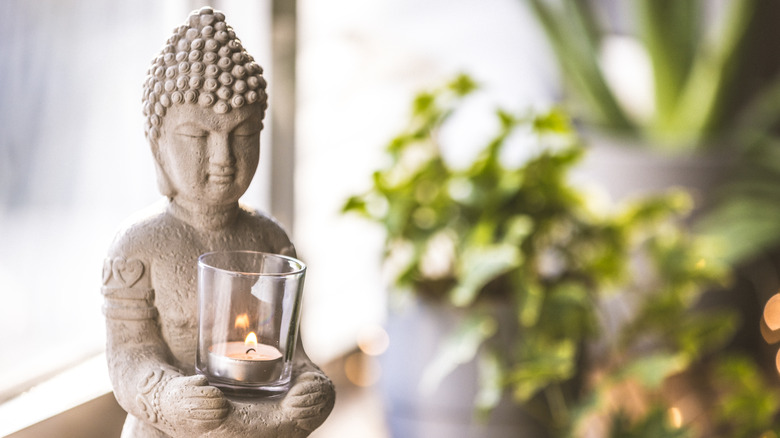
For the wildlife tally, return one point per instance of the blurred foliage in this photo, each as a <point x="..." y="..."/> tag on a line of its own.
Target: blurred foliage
<point x="749" y="409"/>
<point x="715" y="72"/>
<point x="655" y="425"/>
<point x="711" y="64"/>
<point x="746" y="209"/>
<point x="521" y="239"/>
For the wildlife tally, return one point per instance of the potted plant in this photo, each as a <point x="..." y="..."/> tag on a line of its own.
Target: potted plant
<point x="687" y="91"/>
<point x="683" y="93"/>
<point x="547" y="297"/>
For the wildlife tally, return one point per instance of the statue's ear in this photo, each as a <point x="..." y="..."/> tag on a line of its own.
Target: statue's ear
<point x="163" y="181"/>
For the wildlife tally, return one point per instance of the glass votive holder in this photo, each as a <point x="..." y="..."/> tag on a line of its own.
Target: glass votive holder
<point x="249" y="310"/>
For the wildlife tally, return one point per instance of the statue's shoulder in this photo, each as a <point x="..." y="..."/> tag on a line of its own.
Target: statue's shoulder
<point x="267" y="230"/>
<point x="131" y="253"/>
<point x="138" y="233"/>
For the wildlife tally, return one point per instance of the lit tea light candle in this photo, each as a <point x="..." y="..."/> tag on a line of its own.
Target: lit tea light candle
<point x="246" y="362"/>
<point x="241" y="292"/>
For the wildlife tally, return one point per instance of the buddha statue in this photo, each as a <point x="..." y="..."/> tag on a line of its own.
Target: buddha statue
<point x="204" y="103"/>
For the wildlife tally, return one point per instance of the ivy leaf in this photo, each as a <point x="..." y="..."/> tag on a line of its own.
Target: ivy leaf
<point x="518" y="228"/>
<point x="544" y="361"/>
<point x="478" y="266"/>
<point x="531" y="305"/>
<point x="555" y="121"/>
<point x="423" y="103"/>
<point x="458" y="349"/>
<point x="463" y="85"/>
<point x="508" y="120"/>
<point x="355" y="204"/>
<point x="490" y="384"/>
<point x="568" y="311"/>
<point x="653" y="369"/>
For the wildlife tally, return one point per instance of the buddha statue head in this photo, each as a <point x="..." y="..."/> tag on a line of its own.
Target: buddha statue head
<point x="202" y="89"/>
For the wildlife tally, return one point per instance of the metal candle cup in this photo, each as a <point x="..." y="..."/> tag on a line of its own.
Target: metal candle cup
<point x="249" y="307"/>
<point x="233" y="360"/>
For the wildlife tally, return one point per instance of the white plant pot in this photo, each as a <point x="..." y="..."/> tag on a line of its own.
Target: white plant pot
<point x="629" y="170"/>
<point x="416" y="334"/>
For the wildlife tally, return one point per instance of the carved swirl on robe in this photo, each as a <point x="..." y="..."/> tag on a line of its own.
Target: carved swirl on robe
<point x="124" y="298"/>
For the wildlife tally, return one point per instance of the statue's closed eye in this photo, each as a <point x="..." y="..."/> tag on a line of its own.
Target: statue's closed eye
<point x="245" y="134"/>
<point x="193" y="134"/>
<point x="190" y="130"/>
<point x="246" y="129"/>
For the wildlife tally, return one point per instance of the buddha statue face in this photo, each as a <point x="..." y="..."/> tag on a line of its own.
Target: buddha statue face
<point x="207" y="158"/>
<point x="204" y="103"/>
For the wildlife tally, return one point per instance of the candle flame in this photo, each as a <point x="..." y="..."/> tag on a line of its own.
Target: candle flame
<point x="242" y="321"/>
<point x="251" y="340"/>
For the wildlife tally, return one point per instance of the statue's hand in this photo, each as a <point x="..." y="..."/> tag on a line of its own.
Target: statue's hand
<point x="309" y="400"/>
<point x="190" y="405"/>
<point x="301" y="410"/>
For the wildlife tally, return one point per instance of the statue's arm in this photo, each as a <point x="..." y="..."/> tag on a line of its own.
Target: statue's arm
<point x="312" y="395"/>
<point x="145" y="382"/>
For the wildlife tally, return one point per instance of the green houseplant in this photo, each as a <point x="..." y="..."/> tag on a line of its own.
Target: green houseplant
<point x="710" y="65"/>
<point x="522" y="238"/>
<point x="714" y="75"/>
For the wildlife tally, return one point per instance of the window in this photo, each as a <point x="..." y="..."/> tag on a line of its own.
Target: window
<point x="74" y="162"/>
<point x="359" y="65"/>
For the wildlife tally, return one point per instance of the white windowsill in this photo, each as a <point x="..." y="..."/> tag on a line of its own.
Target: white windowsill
<point x="73" y="387"/>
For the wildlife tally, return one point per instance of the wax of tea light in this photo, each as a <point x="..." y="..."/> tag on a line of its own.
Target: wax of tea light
<point x="246" y="361"/>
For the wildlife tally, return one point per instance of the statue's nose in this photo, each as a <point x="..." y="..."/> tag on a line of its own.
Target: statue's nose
<point x="221" y="152"/>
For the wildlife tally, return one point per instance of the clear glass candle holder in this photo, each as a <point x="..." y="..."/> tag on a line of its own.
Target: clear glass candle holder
<point x="249" y="309"/>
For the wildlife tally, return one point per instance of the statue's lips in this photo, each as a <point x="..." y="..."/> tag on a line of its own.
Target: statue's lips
<point x="222" y="177"/>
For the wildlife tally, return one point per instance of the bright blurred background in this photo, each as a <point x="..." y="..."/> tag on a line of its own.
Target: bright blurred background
<point x="74" y="162"/>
